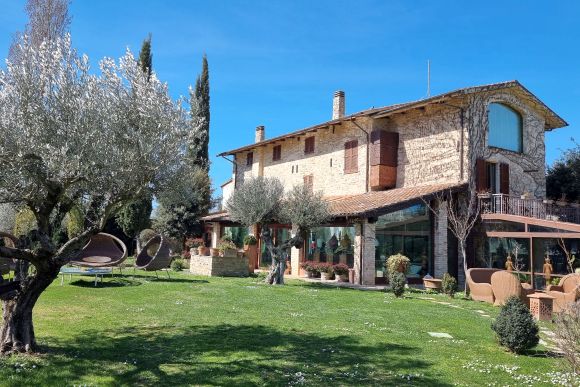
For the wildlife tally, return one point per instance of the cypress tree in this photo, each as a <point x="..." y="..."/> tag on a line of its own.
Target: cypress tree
<point x="146" y="57"/>
<point x="202" y="115"/>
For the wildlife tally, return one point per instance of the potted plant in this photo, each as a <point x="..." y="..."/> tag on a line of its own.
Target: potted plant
<point x="398" y="263"/>
<point x="341" y="272"/>
<point x="251" y="251"/>
<point x="227" y="248"/>
<point x="326" y="272"/>
<point x="311" y="268"/>
<point x="201" y="249"/>
<point x="214" y="251"/>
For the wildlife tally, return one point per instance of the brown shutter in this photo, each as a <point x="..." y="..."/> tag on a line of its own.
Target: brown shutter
<point x="504" y="178"/>
<point x="480" y="175"/>
<point x="309" y="182"/>
<point x="354" y="156"/>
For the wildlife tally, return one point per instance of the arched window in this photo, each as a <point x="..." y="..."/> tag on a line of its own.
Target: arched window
<point x="505" y="127"/>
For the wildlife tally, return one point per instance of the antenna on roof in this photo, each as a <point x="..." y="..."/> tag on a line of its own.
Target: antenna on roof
<point x="428" y="78"/>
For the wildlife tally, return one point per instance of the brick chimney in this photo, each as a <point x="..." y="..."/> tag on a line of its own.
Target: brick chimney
<point x="260" y="134"/>
<point x="338" y="105"/>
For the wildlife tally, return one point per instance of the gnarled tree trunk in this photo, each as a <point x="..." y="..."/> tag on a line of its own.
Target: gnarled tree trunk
<point x="279" y="255"/>
<point x="17" y="331"/>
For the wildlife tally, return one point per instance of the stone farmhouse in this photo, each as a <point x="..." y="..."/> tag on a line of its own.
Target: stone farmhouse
<point x="379" y="167"/>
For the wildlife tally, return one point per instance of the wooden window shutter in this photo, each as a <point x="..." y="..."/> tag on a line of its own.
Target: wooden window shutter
<point x="480" y="175"/>
<point x="277" y="153"/>
<point x="309" y="145"/>
<point x="504" y="178"/>
<point x="309" y="182"/>
<point x="250" y="159"/>
<point x="351" y="156"/>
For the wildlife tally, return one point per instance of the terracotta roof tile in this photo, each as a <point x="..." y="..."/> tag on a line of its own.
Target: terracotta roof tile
<point x="371" y="203"/>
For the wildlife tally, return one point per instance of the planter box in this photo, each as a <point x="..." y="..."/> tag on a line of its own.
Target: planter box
<point x="228" y="266"/>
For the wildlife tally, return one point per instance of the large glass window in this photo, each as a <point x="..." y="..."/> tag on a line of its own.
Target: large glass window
<point x="505" y="127"/>
<point x="279" y="234"/>
<point x="408" y="232"/>
<point x="331" y="244"/>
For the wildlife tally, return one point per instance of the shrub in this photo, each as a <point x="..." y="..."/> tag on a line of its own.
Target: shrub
<point x="24" y="222"/>
<point x="340" y="269"/>
<point x="178" y="265"/>
<point x="250" y="240"/>
<point x="194" y="243"/>
<point x="310" y="266"/>
<point x="75" y="222"/>
<point x="397" y="280"/>
<point x="325" y="267"/>
<point x="186" y="254"/>
<point x="567" y="335"/>
<point x="225" y="244"/>
<point x="449" y="284"/>
<point x="398" y="262"/>
<point x="227" y="238"/>
<point x="515" y="327"/>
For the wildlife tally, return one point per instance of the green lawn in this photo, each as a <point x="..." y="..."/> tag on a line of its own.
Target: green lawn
<point x="219" y="331"/>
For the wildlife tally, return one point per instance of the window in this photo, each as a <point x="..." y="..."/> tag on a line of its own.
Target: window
<point x="492" y="177"/>
<point x="277" y="153"/>
<point x="505" y="128"/>
<point x="351" y="156"/>
<point x="250" y="159"/>
<point x="309" y="182"/>
<point x="309" y="145"/>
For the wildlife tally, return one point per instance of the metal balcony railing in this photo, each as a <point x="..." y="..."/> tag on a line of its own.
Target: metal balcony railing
<point x="533" y="208"/>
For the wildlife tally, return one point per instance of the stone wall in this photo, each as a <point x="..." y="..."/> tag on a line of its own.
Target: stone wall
<point x="527" y="169"/>
<point x="440" y="241"/>
<point x="364" y="253"/>
<point x="326" y="164"/>
<point x="219" y="266"/>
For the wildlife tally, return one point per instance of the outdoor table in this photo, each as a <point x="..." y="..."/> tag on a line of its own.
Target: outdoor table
<point x="78" y="271"/>
<point x="541" y="306"/>
<point x="432" y="283"/>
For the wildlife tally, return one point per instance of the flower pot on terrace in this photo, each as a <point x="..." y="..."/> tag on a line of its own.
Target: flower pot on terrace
<point x="311" y="274"/>
<point x="202" y="250"/>
<point x="325" y="276"/>
<point x="215" y="252"/>
<point x="342" y="278"/>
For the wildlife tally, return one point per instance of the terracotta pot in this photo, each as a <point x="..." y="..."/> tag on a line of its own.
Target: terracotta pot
<point x="202" y="250"/>
<point x="252" y="254"/>
<point x="325" y="276"/>
<point x="215" y="252"/>
<point x="311" y="274"/>
<point x="342" y="278"/>
<point x="229" y="253"/>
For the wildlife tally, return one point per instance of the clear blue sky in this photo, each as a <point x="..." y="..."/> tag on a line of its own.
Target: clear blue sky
<point x="277" y="63"/>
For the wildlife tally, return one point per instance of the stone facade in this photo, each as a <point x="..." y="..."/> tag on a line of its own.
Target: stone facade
<point x="219" y="266"/>
<point x="438" y="143"/>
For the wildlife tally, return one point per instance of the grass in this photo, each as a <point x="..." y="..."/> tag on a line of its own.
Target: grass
<point x="219" y="331"/>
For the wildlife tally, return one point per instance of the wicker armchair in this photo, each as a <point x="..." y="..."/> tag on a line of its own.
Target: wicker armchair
<point x="505" y="284"/>
<point x="567" y="291"/>
<point x="479" y="284"/>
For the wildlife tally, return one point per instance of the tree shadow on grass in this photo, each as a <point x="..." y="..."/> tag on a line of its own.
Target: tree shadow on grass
<point x="228" y="355"/>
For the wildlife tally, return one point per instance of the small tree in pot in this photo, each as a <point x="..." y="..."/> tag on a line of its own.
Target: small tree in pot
<point x="262" y="201"/>
<point x="397" y="267"/>
<point x="251" y="250"/>
<point x="341" y="271"/>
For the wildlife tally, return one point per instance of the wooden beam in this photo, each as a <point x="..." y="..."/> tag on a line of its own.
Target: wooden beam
<point x="564" y="226"/>
<point x="516" y="234"/>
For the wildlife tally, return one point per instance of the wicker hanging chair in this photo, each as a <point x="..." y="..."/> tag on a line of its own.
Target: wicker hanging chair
<point x="103" y="250"/>
<point x="161" y="259"/>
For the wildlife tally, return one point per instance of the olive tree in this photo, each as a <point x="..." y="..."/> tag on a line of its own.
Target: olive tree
<point x="262" y="201"/>
<point x="69" y="135"/>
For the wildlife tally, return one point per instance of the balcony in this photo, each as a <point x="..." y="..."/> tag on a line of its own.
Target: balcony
<point x="501" y="204"/>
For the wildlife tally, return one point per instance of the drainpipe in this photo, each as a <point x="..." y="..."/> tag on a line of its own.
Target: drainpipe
<point x="367" y="153"/>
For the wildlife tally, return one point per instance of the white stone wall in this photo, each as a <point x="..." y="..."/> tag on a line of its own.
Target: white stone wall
<point x="364" y="253"/>
<point x="219" y="266"/>
<point x="227" y="191"/>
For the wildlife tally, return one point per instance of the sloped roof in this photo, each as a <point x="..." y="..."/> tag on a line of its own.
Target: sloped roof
<point x="553" y="121"/>
<point x="372" y="203"/>
<point x="378" y="202"/>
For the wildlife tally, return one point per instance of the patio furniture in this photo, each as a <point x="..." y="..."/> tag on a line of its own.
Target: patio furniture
<point x="160" y="260"/>
<point x="541" y="306"/>
<point x="506" y="284"/>
<point x="567" y="291"/>
<point x="97" y="272"/>
<point x="479" y="284"/>
<point x="432" y="284"/>
<point x="103" y="250"/>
